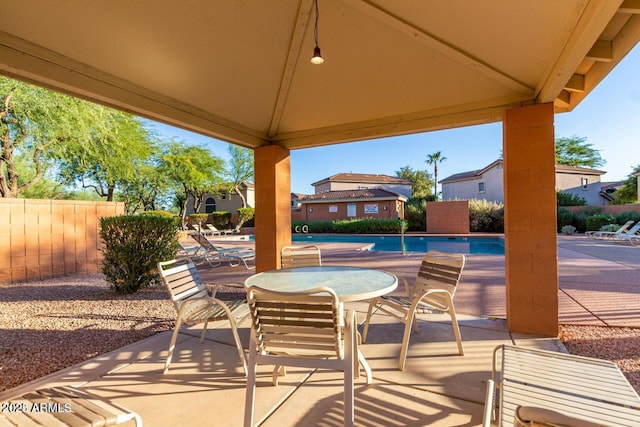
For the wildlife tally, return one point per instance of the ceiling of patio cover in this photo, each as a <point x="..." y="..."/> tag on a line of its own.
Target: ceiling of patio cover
<point x="239" y="71"/>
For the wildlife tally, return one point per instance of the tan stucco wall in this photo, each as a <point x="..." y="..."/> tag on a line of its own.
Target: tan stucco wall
<point x="41" y="239"/>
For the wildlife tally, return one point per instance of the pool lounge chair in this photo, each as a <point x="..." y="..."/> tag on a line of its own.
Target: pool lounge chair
<point x="610" y="234"/>
<point x="231" y="255"/>
<point x="215" y="232"/>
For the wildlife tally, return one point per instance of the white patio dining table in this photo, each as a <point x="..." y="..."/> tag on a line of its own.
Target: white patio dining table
<point x="349" y="283"/>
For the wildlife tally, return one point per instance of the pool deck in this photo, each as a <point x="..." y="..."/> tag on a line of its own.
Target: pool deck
<point x="599" y="284"/>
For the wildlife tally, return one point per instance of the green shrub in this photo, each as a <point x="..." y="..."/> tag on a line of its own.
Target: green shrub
<point x="564" y="217"/>
<point x="198" y="218"/>
<point x="165" y="214"/>
<point x="609" y="227"/>
<point x="594" y="222"/>
<point x="567" y="199"/>
<point x="245" y="215"/>
<point x="485" y="216"/>
<point x="133" y="245"/>
<point x="221" y="220"/>
<point x="414" y="214"/>
<point x="625" y="216"/>
<point x="568" y="230"/>
<point x="580" y="221"/>
<point x="351" y="226"/>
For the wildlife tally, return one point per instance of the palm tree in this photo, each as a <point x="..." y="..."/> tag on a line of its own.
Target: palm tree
<point x="434" y="159"/>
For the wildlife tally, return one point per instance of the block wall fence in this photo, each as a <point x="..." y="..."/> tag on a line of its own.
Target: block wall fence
<point x="42" y="239"/>
<point x="448" y="217"/>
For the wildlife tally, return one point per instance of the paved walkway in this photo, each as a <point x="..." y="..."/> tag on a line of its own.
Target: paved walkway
<point x="599" y="280"/>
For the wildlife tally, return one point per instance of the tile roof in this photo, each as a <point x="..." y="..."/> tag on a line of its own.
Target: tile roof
<point x="364" y="178"/>
<point x="364" y="194"/>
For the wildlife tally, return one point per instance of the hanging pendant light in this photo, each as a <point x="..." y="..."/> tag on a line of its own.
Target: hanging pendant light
<point x="317" y="57"/>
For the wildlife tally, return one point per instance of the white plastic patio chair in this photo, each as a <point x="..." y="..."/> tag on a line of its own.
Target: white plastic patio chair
<point x="194" y="305"/>
<point x="303" y="329"/>
<point x="300" y="256"/>
<point x="433" y="288"/>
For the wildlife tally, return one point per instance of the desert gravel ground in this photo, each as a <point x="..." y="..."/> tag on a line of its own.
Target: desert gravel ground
<point x="53" y="324"/>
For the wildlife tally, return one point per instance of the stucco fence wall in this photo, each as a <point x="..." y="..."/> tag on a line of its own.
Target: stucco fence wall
<point x="41" y="239"/>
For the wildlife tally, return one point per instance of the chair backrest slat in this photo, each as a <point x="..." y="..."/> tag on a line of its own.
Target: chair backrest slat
<point x="182" y="281"/>
<point x="302" y="324"/>
<point x="439" y="270"/>
<point x="300" y="256"/>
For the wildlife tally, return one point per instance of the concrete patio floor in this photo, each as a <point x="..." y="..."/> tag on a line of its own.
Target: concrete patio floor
<point x="206" y="386"/>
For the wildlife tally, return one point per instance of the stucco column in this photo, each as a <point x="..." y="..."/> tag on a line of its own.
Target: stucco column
<point x="272" y="167"/>
<point x="530" y="220"/>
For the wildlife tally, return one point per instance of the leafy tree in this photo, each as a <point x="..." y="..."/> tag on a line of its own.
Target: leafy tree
<point x="34" y="122"/>
<point x="239" y="169"/>
<point x="575" y="151"/>
<point x="110" y="158"/>
<point x="434" y="159"/>
<point x="629" y="192"/>
<point x="421" y="180"/>
<point x="195" y="170"/>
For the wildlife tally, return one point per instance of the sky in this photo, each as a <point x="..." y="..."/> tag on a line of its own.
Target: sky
<point x="609" y="117"/>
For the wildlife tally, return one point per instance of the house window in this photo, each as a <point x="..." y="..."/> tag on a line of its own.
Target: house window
<point x="351" y="210"/>
<point x="223" y="196"/>
<point x="481" y="187"/>
<point x="210" y="205"/>
<point x="584" y="182"/>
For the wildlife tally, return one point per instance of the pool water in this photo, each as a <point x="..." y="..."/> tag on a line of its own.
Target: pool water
<point x="466" y="245"/>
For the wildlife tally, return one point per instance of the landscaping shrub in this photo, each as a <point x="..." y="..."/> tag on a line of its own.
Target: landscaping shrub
<point x="414" y="213"/>
<point x="625" y="216"/>
<point x="221" y="220"/>
<point x="244" y="216"/>
<point x="485" y="216"/>
<point x="165" y="214"/>
<point x="352" y="226"/>
<point x="595" y="222"/>
<point x="198" y="218"/>
<point x="133" y="245"/>
<point x="568" y="230"/>
<point x="564" y="217"/>
<point x="566" y="199"/>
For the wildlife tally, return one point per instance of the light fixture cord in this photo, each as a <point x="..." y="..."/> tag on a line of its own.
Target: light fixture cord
<point x="315" y="29"/>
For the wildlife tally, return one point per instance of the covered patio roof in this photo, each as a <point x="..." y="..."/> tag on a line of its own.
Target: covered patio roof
<point x="240" y="71"/>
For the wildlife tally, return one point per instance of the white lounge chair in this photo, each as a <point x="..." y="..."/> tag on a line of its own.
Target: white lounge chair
<point x="215" y="254"/>
<point x="215" y="232"/>
<point x="611" y="234"/>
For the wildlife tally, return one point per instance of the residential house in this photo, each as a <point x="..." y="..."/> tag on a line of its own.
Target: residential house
<point x="487" y="184"/>
<point x="352" y="195"/>
<point x="224" y="200"/>
<point x="360" y="181"/>
<point x="344" y="204"/>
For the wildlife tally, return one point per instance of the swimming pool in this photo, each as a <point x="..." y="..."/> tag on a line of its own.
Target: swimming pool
<point x="466" y="245"/>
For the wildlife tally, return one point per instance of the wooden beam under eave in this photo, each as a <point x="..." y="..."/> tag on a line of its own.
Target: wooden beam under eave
<point x="575" y="83"/>
<point x="601" y="51"/>
<point x="563" y="100"/>
<point x="630" y="6"/>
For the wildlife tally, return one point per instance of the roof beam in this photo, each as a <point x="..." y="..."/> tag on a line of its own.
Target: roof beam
<point x="630" y="6"/>
<point x="290" y="66"/>
<point x="438" y="45"/>
<point x="589" y="24"/>
<point x="601" y="51"/>
<point x="575" y="83"/>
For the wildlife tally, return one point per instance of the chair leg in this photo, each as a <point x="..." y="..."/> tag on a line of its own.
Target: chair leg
<point x="372" y="304"/>
<point x="456" y="328"/>
<point x="408" y="322"/>
<point x="172" y="345"/>
<point x="204" y="331"/>
<point x="251" y="385"/>
<point x="351" y="360"/>
<point x="236" y="337"/>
